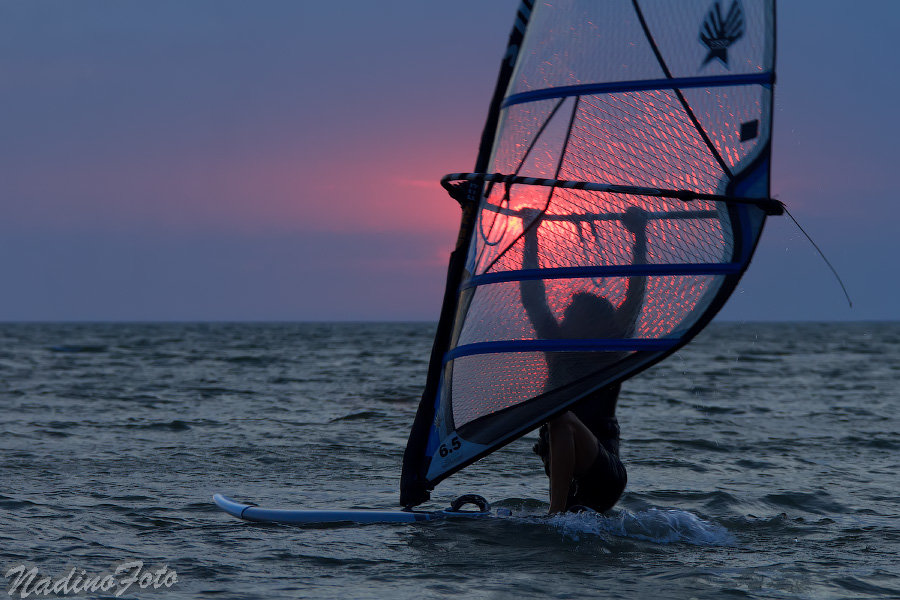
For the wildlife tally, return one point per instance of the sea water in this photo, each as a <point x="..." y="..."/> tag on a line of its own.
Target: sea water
<point x="762" y="463"/>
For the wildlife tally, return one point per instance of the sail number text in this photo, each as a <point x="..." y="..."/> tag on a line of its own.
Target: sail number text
<point x="455" y="444"/>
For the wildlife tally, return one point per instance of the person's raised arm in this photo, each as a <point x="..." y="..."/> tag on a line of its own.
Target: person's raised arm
<point x="635" y="220"/>
<point x="534" y="294"/>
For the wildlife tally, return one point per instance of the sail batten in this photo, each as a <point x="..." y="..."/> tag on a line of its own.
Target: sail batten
<point x="620" y="190"/>
<point x="603" y="271"/>
<point x="575" y="345"/>
<point x="593" y="89"/>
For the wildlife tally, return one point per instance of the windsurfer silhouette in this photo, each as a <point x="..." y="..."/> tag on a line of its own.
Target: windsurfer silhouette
<point x="580" y="448"/>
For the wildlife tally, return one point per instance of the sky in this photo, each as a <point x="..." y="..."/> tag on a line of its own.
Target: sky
<point x="279" y="159"/>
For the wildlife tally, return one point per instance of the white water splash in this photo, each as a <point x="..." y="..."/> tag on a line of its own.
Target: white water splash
<point x="654" y="525"/>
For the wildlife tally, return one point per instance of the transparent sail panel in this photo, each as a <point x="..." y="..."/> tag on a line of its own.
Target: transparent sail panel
<point x="669" y="309"/>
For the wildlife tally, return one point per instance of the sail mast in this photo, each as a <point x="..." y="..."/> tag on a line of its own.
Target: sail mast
<point x="413" y="489"/>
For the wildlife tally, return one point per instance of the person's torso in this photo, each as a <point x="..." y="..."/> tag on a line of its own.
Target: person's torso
<point x="598" y="412"/>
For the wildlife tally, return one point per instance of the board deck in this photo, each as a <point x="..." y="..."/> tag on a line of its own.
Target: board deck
<point x="251" y="512"/>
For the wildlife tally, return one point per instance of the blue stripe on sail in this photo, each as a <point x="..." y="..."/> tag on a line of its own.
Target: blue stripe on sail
<point x="603" y="271"/>
<point x="612" y="87"/>
<point x="585" y="345"/>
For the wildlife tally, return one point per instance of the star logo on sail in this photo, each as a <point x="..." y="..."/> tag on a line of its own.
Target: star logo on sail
<point x="719" y="31"/>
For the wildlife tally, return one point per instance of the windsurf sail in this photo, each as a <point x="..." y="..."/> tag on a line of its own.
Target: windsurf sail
<point x="620" y="189"/>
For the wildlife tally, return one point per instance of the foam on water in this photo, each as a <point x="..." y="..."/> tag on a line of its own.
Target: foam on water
<point x="661" y="526"/>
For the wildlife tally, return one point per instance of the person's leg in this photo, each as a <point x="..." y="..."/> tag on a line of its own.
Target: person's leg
<point x="602" y="486"/>
<point x="573" y="449"/>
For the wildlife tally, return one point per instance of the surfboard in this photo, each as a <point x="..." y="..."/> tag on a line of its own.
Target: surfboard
<point x="252" y="512"/>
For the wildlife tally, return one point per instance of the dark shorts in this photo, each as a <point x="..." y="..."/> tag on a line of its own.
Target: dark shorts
<point x="602" y="486"/>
